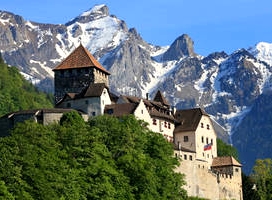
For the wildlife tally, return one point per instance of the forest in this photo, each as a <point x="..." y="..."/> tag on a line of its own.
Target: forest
<point x="16" y="93"/>
<point x="105" y="158"/>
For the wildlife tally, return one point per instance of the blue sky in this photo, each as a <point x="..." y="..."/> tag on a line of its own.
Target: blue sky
<point x="213" y="25"/>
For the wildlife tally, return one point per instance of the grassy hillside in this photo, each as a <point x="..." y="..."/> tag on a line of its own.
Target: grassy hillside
<point x="16" y="93"/>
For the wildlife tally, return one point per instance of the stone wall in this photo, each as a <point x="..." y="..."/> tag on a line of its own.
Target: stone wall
<point x="72" y="81"/>
<point x="204" y="183"/>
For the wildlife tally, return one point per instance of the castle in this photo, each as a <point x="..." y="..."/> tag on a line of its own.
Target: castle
<point x="82" y="84"/>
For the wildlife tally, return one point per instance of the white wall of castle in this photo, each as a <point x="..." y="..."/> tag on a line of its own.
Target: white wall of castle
<point x="162" y="126"/>
<point x="196" y="140"/>
<point x="93" y="106"/>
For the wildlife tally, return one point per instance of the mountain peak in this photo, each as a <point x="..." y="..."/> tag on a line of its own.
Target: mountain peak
<point x="97" y="12"/>
<point x="263" y="51"/>
<point x="182" y="46"/>
<point x="101" y="10"/>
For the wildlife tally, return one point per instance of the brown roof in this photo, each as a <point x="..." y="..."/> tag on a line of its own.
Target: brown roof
<point x="225" y="161"/>
<point x="37" y="111"/>
<point x="80" y="58"/>
<point x="154" y="107"/>
<point x="119" y="110"/>
<point x="93" y="90"/>
<point x="160" y="98"/>
<point x="188" y="120"/>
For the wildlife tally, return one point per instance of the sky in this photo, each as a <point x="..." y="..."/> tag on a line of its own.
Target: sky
<point x="213" y="25"/>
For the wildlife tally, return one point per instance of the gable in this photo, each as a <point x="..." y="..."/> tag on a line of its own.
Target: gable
<point x="80" y="58"/>
<point x="188" y="120"/>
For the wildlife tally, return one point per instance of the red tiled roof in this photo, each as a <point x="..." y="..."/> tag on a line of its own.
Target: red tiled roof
<point x="80" y="58"/>
<point x="225" y="161"/>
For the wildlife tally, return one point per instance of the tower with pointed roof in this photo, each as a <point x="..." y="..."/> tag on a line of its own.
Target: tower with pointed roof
<point x="78" y="71"/>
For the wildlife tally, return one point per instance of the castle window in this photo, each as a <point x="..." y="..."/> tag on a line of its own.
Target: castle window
<point x="191" y="157"/>
<point x="142" y="111"/>
<point x="87" y="102"/>
<point x="165" y="124"/>
<point x="68" y="105"/>
<point x="93" y="113"/>
<point x="154" y="122"/>
<point x="202" y="139"/>
<point x="207" y="140"/>
<point x="212" y="141"/>
<point x="169" y="125"/>
<point x="185" y="138"/>
<point x="236" y="170"/>
<point x="110" y="111"/>
<point x="179" y="146"/>
<point x="202" y="125"/>
<point x="208" y="126"/>
<point x="185" y="157"/>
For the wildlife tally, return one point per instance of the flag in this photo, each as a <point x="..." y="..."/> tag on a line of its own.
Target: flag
<point x="208" y="147"/>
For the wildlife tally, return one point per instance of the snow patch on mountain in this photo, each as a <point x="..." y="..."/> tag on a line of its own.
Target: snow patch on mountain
<point x="263" y="51"/>
<point x="95" y="9"/>
<point x="43" y="66"/>
<point x="30" y="78"/>
<point x="161" y="69"/>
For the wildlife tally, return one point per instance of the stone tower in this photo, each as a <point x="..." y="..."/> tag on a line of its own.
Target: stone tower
<point x="77" y="71"/>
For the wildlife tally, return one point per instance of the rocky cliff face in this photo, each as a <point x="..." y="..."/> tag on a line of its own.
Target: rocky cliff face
<point x="229" y="87"/>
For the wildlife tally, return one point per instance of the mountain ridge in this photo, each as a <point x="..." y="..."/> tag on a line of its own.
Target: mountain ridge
<point x="226" y="86"/>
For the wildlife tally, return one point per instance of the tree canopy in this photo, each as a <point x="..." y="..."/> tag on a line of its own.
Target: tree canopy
<point x="16" y="93"/>
<point x="106" y="158"/>
<point x="224" y="149"/>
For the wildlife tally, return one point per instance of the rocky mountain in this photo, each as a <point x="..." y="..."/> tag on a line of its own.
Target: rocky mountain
<point x="234" y="88"/>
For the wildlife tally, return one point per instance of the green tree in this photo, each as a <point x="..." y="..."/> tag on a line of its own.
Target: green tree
<point x="224" y="149"/>
<point x="249" y="188"/>
<point x="262" y="175"/>
<point x="16" y="93"/>
<point x="106" y="158"/>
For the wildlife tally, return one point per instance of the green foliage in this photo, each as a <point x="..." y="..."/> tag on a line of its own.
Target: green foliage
<point x="106" y="158"/>
<point x="71" y="119"/>
<point x="224" y="149"/>
<point x="16" y="93"/>
<point x="249" y="188"/>
<point x="262" y="176"/>
<point x="196" y="198"/>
